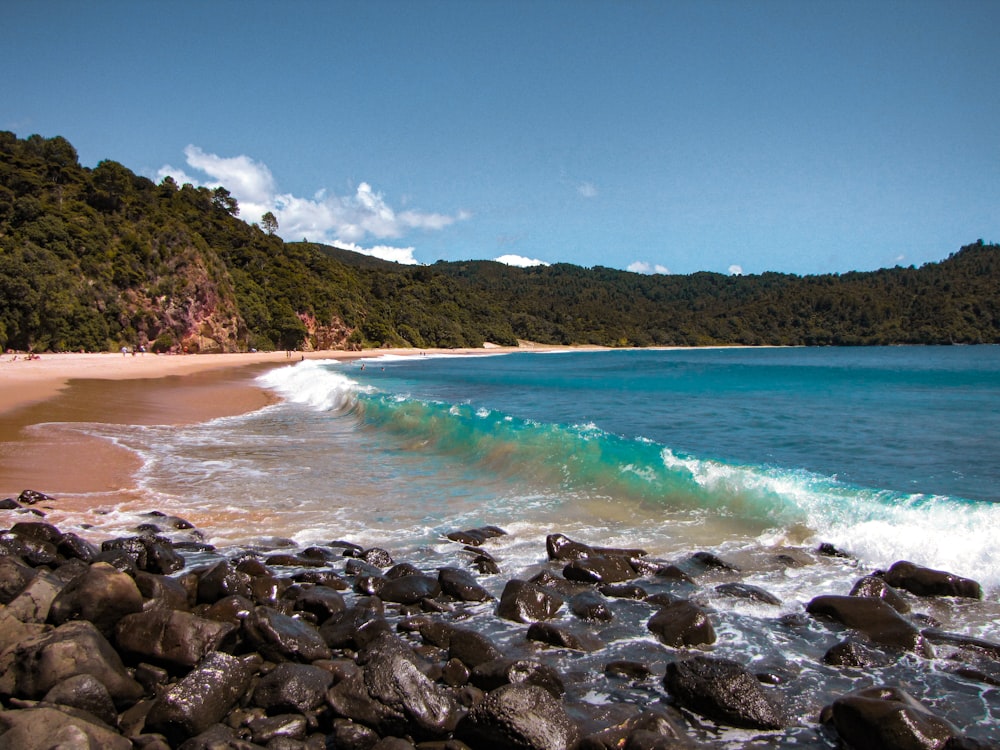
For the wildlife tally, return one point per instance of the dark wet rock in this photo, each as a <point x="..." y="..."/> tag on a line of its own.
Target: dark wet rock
<point x="724" y="691"/>
<point x="427" y="709"/>
<point x="647" y="730"/>
<point x="33" y="551"/>
<point x="347" y="549"/>
<point x="501" y="671"/>
<point x="748" y="592"/>
<point x="631" y="670"/>
<point x="356" y="625"/>
<point x="218" y="737"/>
<point x="410" y="589"/>
<point x="397" y="743"/>
<point x="403" y="569"/>
<point x="118" y="559"/>
<point x="624" y="591"/>
<point x="39" y="531"/>
<point x="293" y="687"/>
<point x="222" y="580"/>
<point x="875" y="587"/>
<point x="287" y="560"/>
<point x="14" y="577"/>
<point x="470" y="647"/>
<point x="101" y="595"/>
<point x="887" y="718"/>
<point x="13" y="631"/>
<point x="165" y="591"/>
<point x="471" y="537"/>
<point x="964" y="642"/>
<point x="589" y="605"/>
<point x="560" y="547"/>
<point x="712" y="560"/>
<point x="321" y="578"/>
<point x="75" y="648"/>
<point x="57" y="728"/>
<point x="352" y="736"/>
<point x="521" y="716"/>
<point x="30" y="497"/>
<point x="554" y="635"/>
<point x="267" y="728"/>
<point x="9" y="503"/>
<point x="853" y="653"/>
<point x="455" y="673"/>
<point x="269" y="591"/>
<point x="682" y="624"/>
<point x="321" y="601"/>
<point x="151" y="677"/>
<point x="35" y="600"/>
<point x="232" y="609"/>
<point x="75" y="546"/>
<point x="873" y="617"/>
<point x="361" y="568"/>
<point x="202" y="698"/>
<point x="928" y="582"/>
<point x="673" y="573"/>
<point x="486" y="565"/>
<point x="87" y="693"/>
<point x="170" y="637"/>
<point x="161" y="557"/>
<point x="133" y="546"/>
<point x="280" y="637"/>
<point x="599" y="569"/>
<point x="378" y="557"/>
<point x="462" y="585"/>
<point x="522" y="601"/>
<point x="829" y="550"/>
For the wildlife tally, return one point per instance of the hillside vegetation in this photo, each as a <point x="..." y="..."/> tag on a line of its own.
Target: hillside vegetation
<point x="100" y="258"/>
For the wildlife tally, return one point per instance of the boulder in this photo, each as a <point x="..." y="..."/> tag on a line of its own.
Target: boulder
<point x="202" y="698"/>
<point x="280" y="637"/>
<point x="75" y="546"/>
<point x="724" y="691"/>
<point x="34" y="601"/>
<point x="681" y="624"/>
<point x="86" y="693"/>
<point x="35" y="552"/>
<point x="853" y="653"/>
<point x="56" y="727"/>
<point x="287" y="726"/>
<point x="392" y="678"/>
<point x="170" y="637"/>
<point x="409" y="589"/>
<point x="875" y="587"/>
<point x="39" y="531"/>
<point x="355" y="625"/>
<point x="102" y="595"/>
<point x="30" y="497"/>
<point x="164" y="591"/>
<point x="322" y="602"/>
<point x="518" y="716"/>
<point x="221" y="580"/>
<point x="499" y="672"/>
<point x="522" y="601"/>
<point x="873" y="617"/>
<point x="599" y="569"/>
<point x="589" y="605"/>
<point x="292" y="687"/>
<point x="553" y="635"/>
<point x="471" y="647"/>
<point x="748" y="592"/>
<point x="624" y="590"/>
<point x="887" y="718"/>
<point x="647" y="730"/>
<point x="14" y="577"/>
<point x="462" y="585"/>
<point x="929" y="582"/>
<point x="74" y="648"/>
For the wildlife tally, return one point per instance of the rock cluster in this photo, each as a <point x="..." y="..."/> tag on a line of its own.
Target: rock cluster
<point x="126" y="645"/>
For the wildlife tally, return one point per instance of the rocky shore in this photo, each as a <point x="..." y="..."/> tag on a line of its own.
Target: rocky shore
<point x="157" y="640"/>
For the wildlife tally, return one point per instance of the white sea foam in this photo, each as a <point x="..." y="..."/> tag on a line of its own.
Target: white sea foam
<point x="313" y="384"/>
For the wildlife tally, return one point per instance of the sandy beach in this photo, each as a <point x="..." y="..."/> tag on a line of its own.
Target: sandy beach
<point x="41" y="399"/>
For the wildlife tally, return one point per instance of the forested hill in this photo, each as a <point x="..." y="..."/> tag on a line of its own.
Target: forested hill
<point x="101" y="258"/>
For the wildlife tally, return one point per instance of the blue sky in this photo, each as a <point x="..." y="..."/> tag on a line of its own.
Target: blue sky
<point x="799" y="136"/>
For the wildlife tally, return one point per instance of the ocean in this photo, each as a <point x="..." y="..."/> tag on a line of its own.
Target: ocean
<point x="885" y="453"/>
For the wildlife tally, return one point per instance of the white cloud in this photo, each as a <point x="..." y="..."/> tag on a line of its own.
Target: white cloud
<point x="587" y="189"/>
<point x="326" y="218"/>
<point x="403" y="255"/>
<point x="735" y="270"/>
<point x="520" y="261"/>
<point x="641" y="266"/>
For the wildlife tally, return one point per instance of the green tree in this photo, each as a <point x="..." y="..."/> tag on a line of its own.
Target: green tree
<point x="269" y="223"/>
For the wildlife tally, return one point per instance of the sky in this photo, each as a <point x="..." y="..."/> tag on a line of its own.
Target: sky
<point x="669" y="136"/>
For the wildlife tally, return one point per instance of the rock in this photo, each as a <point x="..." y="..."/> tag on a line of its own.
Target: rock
<point x="280" y="637"/>
<point x="712" y="560"/>
<point x="673" y="573"/>
<point x="746" y="591"/>
<point x="648" y="730"/>
<point x="518" y="716"/>
<point x="852" y="653"/>
<point x="499" y="672"/>
<point x="13" y="631"/>
<point x="170" y="637"/>
<point x="599" y="569"/>
<point x="471" y="647"/>
<point x="75" y="546"/>
<point x="202" y="698"/>
<point x="355" y="625"/>
<point x="221" y="580"/>
<point x="395" y="681"/>
<point x="14" y="577"/>
<point x="887" y="718"/>
<point x="553" y="635"/>
<point x="102" y="595"/>
<point x="965" y="642"/>
<point x="72" y="649"/>
<point x="624" y="591"/>
<point x="589" y="605"/>
<point x="873" y="617"/>
<point x="462" y="585"/>
<point x="33" y="551"/>
<point x="218" y="737"/>
<point x="39" y="531"/>
<point x="629" y="669"/>
<point x="30" y="497"/>
<point x="351" y="736"/>
<point x="87" y="693"/>
<point x="321" y="601"/>
<point x="161" y="557"/>
<point x="724" y="691"/>
<point x="522" y="601"/>
<point x="928" y="582"/>
<point x="874" y="587"/>
<point x="164" y="591"/>
<point x="378" y="557"/>
<point x="57" y="728"/>
<point x="293" y="687"/>
<point x="268" y="728"/>
<point x="682" y="624"/>
<point x="560" y="547"/>
<point x="410" y="589"/>
<point x="232" y="609"/>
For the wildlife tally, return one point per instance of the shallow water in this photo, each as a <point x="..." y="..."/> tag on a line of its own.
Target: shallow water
<point x="887" y="453"/>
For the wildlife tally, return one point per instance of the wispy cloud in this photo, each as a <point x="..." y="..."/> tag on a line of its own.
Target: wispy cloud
<point x="735" y="270"/>
<point x="342" y="220"/>
<point x="641" y="266"/>
<point x="587" y="189"/>
<point x="520" y="261"/>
